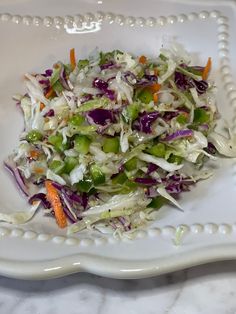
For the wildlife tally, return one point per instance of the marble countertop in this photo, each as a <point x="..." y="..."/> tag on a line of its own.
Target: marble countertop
<point x="203" y="289"/>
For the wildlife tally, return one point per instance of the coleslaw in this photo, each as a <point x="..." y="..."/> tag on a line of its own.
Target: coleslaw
<point x="110" y="139"/>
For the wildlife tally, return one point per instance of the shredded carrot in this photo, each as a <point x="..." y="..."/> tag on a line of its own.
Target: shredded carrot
<point x="34" y="154"/>
<point x="155" y="97"/>
<point x="49" y="93"/>
<point x="42" y="106"/>
<point x="155" y="87"/>
<point x="39" y="170"/>
<point x="207" y="69"/>
<point x="142" y="60"/>
<point x="56" y="66"/>
<point x="185" y="114"/>
<point x="155" y="71"/>
<point x="72" y="58"/>
<point x="54" y="199"/>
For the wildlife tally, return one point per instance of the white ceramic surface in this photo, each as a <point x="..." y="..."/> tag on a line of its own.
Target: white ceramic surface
<point x="38" y="249"/>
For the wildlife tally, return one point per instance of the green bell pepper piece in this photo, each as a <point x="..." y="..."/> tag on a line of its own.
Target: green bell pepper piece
<point x="56" y="141"/>
<point x="81" y="144"/>
<point x="34" y="136"/>
<point x="201" y="116"/>
<point x="85" y="185"/>
<point x="98" y="177"/>
<point x="57" y="166"/>
<point x="157" y="202"/>
<point x="111" y="145"/>
<point x="131" y="164"/>
<point x="158" y="150"/>
<point x="145" y="96"/>
<point x="70" y="163"/>
<point x="175" y="159"/>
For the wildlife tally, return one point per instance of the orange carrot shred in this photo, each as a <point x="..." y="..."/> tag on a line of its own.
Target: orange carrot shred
<point x="142" y="60"/>
<point x="155" y="87"/>
<point x="72" y="58"/>
<point x="155" y="71"/>
<point x="42" y="106"/>
<point x="34" y="154"/>
<point x="49" y="93"/>
<point x="155" y="98"/>
<point x="39" y="170"/>
<point x="54" y="199"/>
<point x="207" y="69"/>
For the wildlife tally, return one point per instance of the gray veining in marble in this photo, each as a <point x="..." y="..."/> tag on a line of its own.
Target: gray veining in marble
<point x="204" y="289"/>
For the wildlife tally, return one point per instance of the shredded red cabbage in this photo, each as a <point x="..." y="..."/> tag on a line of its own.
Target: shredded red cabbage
<point x="100" y="116"/>
<point x="50" y="113"/>
<point x="145" y="181"/>
<point x="42" y="198"/>
<point x="18" y="178"/>
<point x="63" y="79"/>
<point x="151" y="168"/>
<point x="178" y="134"/>
<point x="144" y="121"/>
<point x="86" y="98"/>
<point x="103" y="86"/>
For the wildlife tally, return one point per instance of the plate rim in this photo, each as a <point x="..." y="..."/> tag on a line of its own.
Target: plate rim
<point x="32" y="270"/>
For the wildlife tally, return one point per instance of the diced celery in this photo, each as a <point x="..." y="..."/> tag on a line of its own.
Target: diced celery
<point x="57" y="166"/>
<point x="131" y="164"/>
<point x="111" y="145"/>
<point x="158" y="150"/>
<point x="157" y="202"/>
<point x="81" y="144"/>
<point x="34" y="136"/>
<point x="98" y="177"/>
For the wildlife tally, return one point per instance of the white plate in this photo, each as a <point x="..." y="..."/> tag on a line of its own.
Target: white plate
<point x="39" y="249"/>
